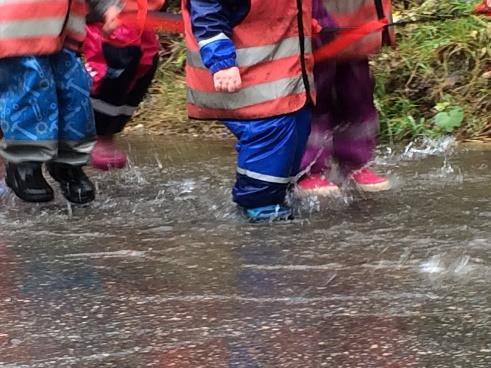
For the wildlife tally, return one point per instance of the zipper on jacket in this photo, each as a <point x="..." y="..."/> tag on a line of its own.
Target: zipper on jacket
<point x="305" y="75"/>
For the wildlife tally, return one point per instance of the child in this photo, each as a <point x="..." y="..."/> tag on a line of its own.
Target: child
<point x="121" y="76"/>
<point x="344" y="124"/>
<point x="250" y="64"/>
<point x="45" y="110"/>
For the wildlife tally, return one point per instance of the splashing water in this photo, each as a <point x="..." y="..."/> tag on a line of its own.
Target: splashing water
<point x="429" y="147"/>
<point x="161" y="269"/>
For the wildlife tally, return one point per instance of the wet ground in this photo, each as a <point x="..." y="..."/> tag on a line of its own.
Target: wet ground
<point x="162" y="271"/>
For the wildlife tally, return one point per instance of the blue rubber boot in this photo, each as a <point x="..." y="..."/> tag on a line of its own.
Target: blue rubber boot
<point x="273" y="212"/>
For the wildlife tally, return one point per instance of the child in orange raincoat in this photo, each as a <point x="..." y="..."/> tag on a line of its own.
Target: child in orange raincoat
<point x="45" y="111"/>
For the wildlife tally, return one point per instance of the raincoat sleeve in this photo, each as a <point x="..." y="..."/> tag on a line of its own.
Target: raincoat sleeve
<point x="97" y="8"/>
<point x="212" y="27"/>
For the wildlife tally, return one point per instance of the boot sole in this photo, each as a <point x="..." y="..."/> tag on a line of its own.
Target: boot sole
<point x="321" y="192"/>
<point x="374" y="188"/>
<point x="107" y="165"/>
<point x="30" y="198"/>
<point x="270" y="219"/>
<point x="81" y="199"/>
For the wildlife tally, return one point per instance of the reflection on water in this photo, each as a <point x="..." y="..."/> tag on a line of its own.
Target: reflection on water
<point x="162" y="271"/>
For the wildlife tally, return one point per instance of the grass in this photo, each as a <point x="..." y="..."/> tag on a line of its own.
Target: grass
<point x="437" y="81"/>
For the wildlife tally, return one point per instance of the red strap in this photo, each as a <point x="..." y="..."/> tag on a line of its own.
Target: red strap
<point x="484" y="8"/>
<point x="164" y="22"/>
<point x="155" y="21"/>
<point x="347" y="38"/>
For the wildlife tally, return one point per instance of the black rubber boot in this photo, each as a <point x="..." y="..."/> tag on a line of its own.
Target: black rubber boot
<point x="74" y="184"/>
<point x="27" y="181"/>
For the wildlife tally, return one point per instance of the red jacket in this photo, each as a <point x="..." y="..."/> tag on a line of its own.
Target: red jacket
<point x="274" y="54"/>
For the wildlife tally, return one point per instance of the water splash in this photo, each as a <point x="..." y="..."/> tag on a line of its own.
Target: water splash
<point x="433" y="265"/>
<point x="425" y="147"/>
<point x="449" y="267"/>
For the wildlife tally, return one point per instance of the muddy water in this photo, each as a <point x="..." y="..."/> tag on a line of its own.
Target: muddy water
<point x="162" y="270"/>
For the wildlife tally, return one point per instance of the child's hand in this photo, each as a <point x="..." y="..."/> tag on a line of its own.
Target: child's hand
<point x="227" y="80"/>
<point x="111" y="21"/>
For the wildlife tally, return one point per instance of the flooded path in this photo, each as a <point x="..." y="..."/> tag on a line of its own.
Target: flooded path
<point x="162" y="271"/>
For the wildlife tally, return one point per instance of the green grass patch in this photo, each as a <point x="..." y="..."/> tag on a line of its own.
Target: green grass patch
<point x="437" y="80"/>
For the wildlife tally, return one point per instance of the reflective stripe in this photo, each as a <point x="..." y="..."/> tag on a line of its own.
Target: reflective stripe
<point x="76" y="24"/>
<point x="31" y="28"/>
<point x="112" y="110"/>
<point x="253" y="95"/>
<point x="260" y="54"/>
<point x="16" y="151"/>
<point x="69" y="152"/>
<point x="76" y="153"/>
<point x="220" y="36"/>
<point x="16" y="2"/>
<point x="263" y="177"/>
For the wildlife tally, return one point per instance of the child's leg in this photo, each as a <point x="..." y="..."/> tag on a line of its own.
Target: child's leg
<point x="76" y="127"/>
<point x="316" y="161"/>
<point x="76" y="118"/>
<point x="29" y="122"/>
<point x="303" y="125"/>
<point x="118" y="73"/>
<point x="145" y="73"/>
<point x="317" y="157"/>
<point x="268" y="156"/>
<point x="110" y="108"/>
<point x="355" y="140"/>
<point x="128" y="70"/>
<point x="29" y="111"/>
<point x="106" y="155"/>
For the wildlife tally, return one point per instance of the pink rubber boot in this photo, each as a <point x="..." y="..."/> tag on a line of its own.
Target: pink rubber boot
<point x="317" y="184"/>
<point x="369" y="181"/>
<point x="106" y="155"/>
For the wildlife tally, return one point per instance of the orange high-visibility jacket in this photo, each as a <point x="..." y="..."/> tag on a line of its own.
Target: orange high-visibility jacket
<point x="274" y="54"/>
<point x="356" y="13"/>
<point x="40" y="27"/>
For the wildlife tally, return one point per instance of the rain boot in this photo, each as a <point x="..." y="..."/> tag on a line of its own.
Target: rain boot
<point x="273" y="212"/>
<point x="369" y="181"/>
<point x="106" y="155"/>
<point x="317" y="184"/>
<point x="28" y="183"/>
<point x="74" y="184"/>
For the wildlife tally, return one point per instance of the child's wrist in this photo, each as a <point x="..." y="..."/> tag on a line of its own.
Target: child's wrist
<point x="223" y="64"/>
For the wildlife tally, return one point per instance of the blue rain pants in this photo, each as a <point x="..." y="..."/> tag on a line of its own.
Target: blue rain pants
<point x="269" y="154"/>
<point x="45" y="109"/>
